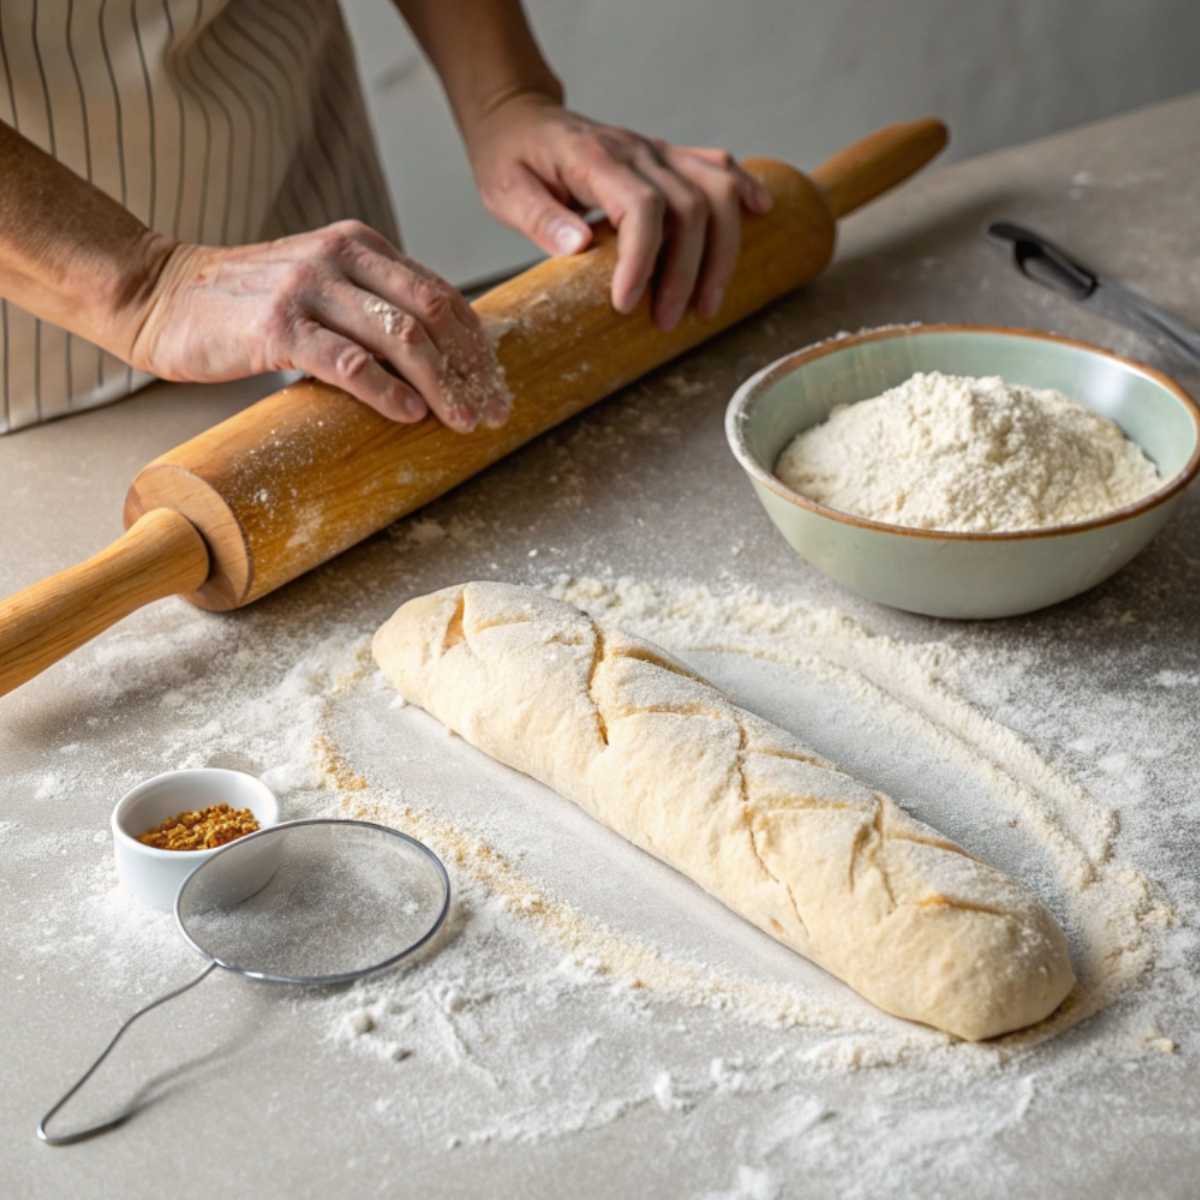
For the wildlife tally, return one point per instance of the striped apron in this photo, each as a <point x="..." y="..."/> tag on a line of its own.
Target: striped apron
<point x="213" y="121"/>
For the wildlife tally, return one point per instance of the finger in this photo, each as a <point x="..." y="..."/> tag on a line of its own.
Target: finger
<point x="344" y="364"/>
<point x="471" y="373"/>
<point x="687" y="222"/>
<point x="466" y="315"/>
<point x="408" y="286"/>
<point x="523" y="202"/>
<point x="475" y="376"/>
<point x="400" y="339"/>
<point x="368" y="258"/>
<point x="637" y="209"/>
<point x="724" y="230"/>
<point x="754" y="194"/>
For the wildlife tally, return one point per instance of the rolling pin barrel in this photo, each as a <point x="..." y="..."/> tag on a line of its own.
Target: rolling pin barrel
<point x="307" y="472"/>
<point x="299" y="477"/>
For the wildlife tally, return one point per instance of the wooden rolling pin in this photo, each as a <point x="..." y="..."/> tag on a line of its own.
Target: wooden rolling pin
<point x="307" y="472"/>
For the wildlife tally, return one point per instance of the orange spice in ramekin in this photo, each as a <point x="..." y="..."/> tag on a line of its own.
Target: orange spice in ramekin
<point x="202" y="829"/>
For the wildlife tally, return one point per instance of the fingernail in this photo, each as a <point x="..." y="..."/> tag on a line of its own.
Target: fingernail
<point x="496" y="415"/>
<point x="415" y="408"/>
<point x="567" y="236"/>
<point x="626" y="305"/>
<point x="712" y="303"/>
<point x="466" y="417"/>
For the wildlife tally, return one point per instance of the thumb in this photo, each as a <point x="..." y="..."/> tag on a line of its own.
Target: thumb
<point x="526" y="204"/>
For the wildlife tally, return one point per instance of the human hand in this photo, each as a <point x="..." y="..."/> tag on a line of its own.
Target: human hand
<point x="340" y="303"/>
<point x="537" y="164"/>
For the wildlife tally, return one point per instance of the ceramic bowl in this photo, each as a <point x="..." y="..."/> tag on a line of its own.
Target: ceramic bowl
<point x="154" y="876"/>
<point x="962" y="575"/>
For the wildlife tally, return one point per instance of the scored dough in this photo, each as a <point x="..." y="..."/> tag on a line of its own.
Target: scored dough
<point x="824" y="864"/>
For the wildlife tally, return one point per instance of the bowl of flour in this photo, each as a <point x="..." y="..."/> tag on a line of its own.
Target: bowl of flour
<point x="965" y="471"/>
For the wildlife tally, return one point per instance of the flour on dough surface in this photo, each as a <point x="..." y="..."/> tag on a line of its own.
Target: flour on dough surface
<point x="825" y="865"/>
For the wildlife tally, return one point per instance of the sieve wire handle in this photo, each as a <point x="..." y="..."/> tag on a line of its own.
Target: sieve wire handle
<point x="67" y="1139"/>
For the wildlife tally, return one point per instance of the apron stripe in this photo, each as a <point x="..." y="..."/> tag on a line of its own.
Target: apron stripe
<point x="213" y="121"/>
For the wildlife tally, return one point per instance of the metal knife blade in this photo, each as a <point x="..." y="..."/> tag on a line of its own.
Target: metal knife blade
<point x="1047" y="264"/>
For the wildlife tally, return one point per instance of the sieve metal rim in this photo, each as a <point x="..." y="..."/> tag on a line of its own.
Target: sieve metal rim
<point x="342" y="976"/>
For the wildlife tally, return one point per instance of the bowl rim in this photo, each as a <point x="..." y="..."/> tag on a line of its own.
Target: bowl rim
<point x="153" y="852"/>
<point x="754" y="387"/>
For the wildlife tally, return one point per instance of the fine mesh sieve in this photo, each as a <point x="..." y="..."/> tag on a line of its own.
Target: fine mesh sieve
<point x="308" y="902"/>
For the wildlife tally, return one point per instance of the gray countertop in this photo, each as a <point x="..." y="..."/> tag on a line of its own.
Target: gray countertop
<point x="652" y="492"/>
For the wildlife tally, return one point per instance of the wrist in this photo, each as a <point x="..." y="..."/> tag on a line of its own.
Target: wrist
<point x="482" y="113"/>
<point x="122" y="308"/>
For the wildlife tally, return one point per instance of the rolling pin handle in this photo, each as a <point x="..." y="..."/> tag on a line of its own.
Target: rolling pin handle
<point x="159" y="555"/>
<point x="869" y="167"/>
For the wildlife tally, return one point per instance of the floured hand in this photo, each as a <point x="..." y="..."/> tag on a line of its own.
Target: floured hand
<point x="340" y="303"/>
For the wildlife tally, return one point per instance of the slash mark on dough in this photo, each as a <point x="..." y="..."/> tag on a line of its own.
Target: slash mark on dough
<point x="597" y="659"/>
<point x="455" y="632"/>
<point x="739" y="768"/>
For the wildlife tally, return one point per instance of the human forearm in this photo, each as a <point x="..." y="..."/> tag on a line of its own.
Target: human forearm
<point x="484" y="52"/>
<point x="69" y="253"/>
<point x="338" y="302"/>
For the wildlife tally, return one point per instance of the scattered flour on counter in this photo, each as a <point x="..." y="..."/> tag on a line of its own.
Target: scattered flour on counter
<point x="493" y="1006"/>
<point x="533" y="1020"/>
<point x="664" y="1092"/>
<point x="953" y="453"/>
<point x="752" y="1183"/>
<point x="1174" y="679"/>
<point x="424" y="531"/>
<point x="49" y="786"/>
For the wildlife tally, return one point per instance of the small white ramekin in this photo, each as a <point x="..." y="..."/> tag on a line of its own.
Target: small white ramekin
<point x="153" y="876"/>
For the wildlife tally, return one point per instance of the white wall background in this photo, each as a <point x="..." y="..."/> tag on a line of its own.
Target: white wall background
<point x="792" y="78"/>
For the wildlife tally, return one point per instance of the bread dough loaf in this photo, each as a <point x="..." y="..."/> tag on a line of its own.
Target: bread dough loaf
<point x="827" y="866"/>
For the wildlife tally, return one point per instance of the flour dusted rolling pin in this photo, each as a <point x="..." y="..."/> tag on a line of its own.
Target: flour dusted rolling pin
<point x="302" y="475"/>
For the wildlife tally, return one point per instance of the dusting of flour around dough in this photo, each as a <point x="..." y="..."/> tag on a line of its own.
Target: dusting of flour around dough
<point x="1113" y="909"/>
<point x="534" y="1022"/>
<point x="521" y="953"/>
<point x="954" y="453"/>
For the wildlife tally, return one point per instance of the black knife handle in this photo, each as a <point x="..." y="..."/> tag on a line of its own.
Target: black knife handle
<point x="1042" y="261"/>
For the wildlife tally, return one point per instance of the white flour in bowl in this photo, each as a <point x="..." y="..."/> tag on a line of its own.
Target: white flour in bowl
<point x="954" y="453"/>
